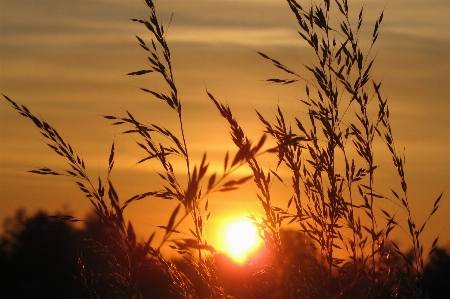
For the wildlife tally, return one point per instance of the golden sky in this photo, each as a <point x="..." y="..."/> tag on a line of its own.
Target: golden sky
<point x="66" y="60"/>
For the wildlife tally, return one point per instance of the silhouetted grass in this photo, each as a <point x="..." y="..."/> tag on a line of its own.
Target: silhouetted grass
<point x="347" y="246"/>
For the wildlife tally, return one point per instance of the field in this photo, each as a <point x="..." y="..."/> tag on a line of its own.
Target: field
<point x="323" y="166"/>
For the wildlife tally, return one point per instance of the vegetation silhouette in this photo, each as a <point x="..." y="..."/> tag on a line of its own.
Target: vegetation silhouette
<point x="342" y="247"/>
<point x="42" y="257"/>
<point x="436" y="274"/>
<point x="38" y="258"/>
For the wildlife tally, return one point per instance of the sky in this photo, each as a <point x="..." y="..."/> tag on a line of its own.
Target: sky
<point x="66" y="61"/>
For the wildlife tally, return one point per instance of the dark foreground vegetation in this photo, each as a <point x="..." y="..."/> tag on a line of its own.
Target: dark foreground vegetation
<point x="41" y="257"/>
<point x="342" y="245"/>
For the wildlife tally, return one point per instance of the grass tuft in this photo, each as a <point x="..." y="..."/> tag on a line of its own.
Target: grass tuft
<point x="332" y="165"/>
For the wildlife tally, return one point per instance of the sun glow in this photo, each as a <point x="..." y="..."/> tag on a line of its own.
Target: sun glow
<point x="241" y="240"/>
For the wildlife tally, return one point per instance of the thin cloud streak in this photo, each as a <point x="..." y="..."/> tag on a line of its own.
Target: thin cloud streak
<point x="231" y="36"/>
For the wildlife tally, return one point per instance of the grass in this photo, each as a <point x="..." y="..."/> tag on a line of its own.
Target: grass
<point x="329" y="154"/>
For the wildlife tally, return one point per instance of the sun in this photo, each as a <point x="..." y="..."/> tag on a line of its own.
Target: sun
<point x="241" y="240"/>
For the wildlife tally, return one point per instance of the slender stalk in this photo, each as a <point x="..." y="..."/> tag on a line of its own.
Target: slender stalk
<point x="185" y="146"/>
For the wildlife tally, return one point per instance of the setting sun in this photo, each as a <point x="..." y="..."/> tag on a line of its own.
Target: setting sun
<point x="241" y="239"/>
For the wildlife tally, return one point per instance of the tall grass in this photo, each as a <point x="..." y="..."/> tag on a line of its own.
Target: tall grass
<point x="329" y="154"/>
<point x="335" y="206"/>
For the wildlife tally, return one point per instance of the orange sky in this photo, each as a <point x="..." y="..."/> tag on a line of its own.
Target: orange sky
<point x="66" y="60"/>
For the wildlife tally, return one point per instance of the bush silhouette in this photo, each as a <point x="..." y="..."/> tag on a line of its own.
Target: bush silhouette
<point x="436" y="275"/>
<point x="38" y="258"/>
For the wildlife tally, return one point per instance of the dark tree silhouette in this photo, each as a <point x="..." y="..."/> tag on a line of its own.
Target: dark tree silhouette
<point x="38" y="258"/>
<point x="436" y="276"/>
<point x="41" y="257"/>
